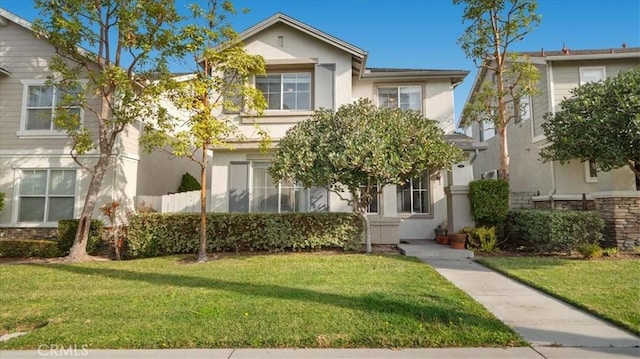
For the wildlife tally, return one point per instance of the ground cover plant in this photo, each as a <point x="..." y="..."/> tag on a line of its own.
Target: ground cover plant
<point x="282" y="300"/>
<point x="608" y="288"/>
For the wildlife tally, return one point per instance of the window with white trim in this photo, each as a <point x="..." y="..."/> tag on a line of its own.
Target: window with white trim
<point x="413" y="196"/>
<point x="592" y="74"/>
<point x="403" y="97"/>
<point x="40" y="103"/>
<point x="590" y="172"/>
<point x="524" y="104"/>
<point x="46" y="195"/>
<point x="372" y="207"/>
<point x="286" y="91"/>
<point x="285" y="196"/>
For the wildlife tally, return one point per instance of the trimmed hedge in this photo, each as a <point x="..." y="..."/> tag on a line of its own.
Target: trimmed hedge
<point x="489" y="200"/>
<point x="67" y="233"/>
<point x="29" y="248"/>
<point x="547" y="231"/>
<point x="154" y="234"/>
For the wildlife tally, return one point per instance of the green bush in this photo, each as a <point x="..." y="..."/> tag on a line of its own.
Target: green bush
<point x="590" y="250"/>
<point x="483" y="239"/>
<point x="154" y="234"/>
<point x="29" y="248"/>
<point x="1" y="201"/>
<point x="67" y="233"/>
<point x="189" y="183"/>
<point x="546" y="231"/>
<point x="489" y="200"/>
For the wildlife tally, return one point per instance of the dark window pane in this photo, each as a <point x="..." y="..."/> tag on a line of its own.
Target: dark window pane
<point x="31" y="209"/>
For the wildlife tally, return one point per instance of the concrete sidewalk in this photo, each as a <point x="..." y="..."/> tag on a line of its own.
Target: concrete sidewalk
<point x="540" y="319"/>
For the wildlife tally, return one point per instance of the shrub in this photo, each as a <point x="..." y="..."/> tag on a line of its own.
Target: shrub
<point x="189" y="183"/>
<point x="555" y="230"/>
<point x="483" y="239"/>
<point x="590" y="250"/>
<point x="67" y="232"/>
<point x="155" y="234"/>
<point x="489" y="200"/>
<point x="29" y="248"/>
<point x="1" y="201"/>
<point x="611" y="252"/>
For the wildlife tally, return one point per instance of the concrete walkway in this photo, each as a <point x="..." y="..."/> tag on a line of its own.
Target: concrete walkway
<point x="554" y="329"/>
<point x="543" y="321"/>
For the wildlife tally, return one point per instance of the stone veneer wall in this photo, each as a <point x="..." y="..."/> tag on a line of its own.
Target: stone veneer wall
<point x="518" y="200"/>
<point x="28" y="233"/>
<point x="622" y="221"/>
<point x="566" y="204"/>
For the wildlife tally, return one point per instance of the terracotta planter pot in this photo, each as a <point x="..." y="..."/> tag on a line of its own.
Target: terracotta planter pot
<point x="442" y="240"/>
<point x="458" y="240"/>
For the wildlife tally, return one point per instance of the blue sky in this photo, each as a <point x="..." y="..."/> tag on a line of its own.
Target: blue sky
<point x="423" y="33"/>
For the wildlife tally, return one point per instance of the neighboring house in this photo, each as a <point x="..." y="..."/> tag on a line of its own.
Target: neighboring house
<point x="41" y="181"/>
<point x="537" y="184"/>
<point x="308" y="69"/>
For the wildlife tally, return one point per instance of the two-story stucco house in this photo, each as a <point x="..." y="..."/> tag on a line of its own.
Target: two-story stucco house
<point x="41" y="181"/>
<point x="306" y="69"/>
<point x="537" y="184"/>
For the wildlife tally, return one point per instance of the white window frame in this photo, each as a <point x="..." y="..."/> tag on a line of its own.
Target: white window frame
<point x="587" y="172"/>
<point x="23" y="131"/>
<point x="412" y="189"/>
<point x="585" y="69"/>
<point x="397" y="88"/>
<point x="306" y="191"/>
<point x="17" y="196"/>
<point x="525" y="112"/>
<point x="282" y="93"/>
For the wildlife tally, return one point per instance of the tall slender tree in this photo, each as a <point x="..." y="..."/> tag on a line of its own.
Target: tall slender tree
<point x="210" y="98"/>
<point x="116" y="82"/>
<point x="493" y="26"/>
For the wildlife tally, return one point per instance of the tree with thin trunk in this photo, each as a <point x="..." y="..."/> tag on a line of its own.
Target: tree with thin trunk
<point x="358" y="148"/>
<point x="600" y="122"/>
<point x="495" y="25"/>
<point x="130" y="41"/>
<point x="208" y="101"/>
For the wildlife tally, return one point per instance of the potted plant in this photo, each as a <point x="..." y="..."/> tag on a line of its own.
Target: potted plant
<point x="459" y="240"/>
<point x="441" y="233"/>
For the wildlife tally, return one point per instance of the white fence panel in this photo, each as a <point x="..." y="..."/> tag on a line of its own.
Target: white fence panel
<point x="184" y="202"/>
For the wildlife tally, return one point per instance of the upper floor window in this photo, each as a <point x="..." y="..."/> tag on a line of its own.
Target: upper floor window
<point x="592" y="74"/>
<point x="413" y="196"/>
<point x="403" y="97"/>
<point x="40" y="103"/>
<point x="46" y="195"/>
<point x="286" y="91"/>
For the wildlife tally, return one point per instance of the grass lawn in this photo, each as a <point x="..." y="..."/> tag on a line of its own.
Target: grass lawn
<point x="607" y="288"/>
<point x="262" y="301"/>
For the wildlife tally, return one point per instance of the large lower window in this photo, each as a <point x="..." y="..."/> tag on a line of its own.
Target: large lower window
<point x="286" y="196"/>
<point x="46" y="195"/>
<point x="403" y="97"/>
<point x="373" y="192"/>
<point x="40" y="105"/>
<point x="286" y="91"/>
<point x="413" y="196"/>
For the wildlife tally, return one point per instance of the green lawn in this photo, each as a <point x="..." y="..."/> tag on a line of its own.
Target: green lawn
<point x="607" y="288"/>
<point x="293" y="300"/>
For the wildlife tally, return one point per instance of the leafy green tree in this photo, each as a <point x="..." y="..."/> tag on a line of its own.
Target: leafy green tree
<point x="359" y="147"/>
<point x="211" y="98"/>
<point x="494" y="25"/>
<point x="600" y="122"/>
<point x="116" y="84"/>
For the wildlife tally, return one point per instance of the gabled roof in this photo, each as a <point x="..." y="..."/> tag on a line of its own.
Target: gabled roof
<point x="15" y="19"/>
<point x="358" y="55"/>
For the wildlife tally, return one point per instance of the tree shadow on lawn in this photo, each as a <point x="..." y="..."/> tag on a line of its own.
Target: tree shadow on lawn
<point x="447" y="314"/>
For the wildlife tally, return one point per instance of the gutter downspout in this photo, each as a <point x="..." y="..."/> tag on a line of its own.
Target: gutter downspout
<point x="553" y="184"/>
